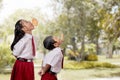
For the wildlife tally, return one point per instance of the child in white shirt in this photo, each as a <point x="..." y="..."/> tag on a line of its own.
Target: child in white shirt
<point x="23" y="49"/>
<point x="52" y="62"/>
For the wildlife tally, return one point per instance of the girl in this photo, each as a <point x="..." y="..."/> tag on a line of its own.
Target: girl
<point x="52" y="63"/>
<point x="23" y="49"/>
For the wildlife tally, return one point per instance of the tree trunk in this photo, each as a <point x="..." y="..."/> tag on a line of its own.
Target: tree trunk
<point x="110" y="50"/>
<point x="82" y="53"/>
<point x="97" y="47"/>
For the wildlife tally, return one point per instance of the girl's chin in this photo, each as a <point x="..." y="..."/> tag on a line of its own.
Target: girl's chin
<point x="33" y="28"/>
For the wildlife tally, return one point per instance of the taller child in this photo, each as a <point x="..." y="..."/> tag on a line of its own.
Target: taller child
<point x="23" y="49"/>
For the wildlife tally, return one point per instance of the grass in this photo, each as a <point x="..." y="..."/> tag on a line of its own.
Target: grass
<point x="87" y="74"/>
<point x="115" y="59"/>
<point x="81" y="74"/>
<point x="88" y="65"/>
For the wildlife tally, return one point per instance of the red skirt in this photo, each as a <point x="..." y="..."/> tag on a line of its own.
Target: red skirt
<point x="22" y="71"/>
<point x="48" y="76"/>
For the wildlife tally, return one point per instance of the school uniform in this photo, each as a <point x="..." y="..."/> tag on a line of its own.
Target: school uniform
<point x="53" y="58"/>
<point x="24" y="50"/>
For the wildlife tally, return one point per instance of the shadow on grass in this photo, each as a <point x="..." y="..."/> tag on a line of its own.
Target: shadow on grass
<point x="108" y="75"/>
<point x="115" y="74"/>
<point x="105" y="72"/>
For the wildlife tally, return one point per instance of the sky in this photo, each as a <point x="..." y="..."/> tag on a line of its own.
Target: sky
<point x="10" y="6"/>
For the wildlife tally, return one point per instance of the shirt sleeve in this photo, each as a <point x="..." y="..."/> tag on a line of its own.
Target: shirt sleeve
<point x="18" y="48"/>
<point x="54" y="59"/>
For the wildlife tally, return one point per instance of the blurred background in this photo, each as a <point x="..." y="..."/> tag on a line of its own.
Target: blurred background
<point x="91" y="31"/>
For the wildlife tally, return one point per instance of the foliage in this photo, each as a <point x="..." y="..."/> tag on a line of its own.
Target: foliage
<point x="81" y="21"/>
<point x="110" y="23"/>
<point x="71" y="54"/>
<point x="78" y="21"/>
<point x="89" y="48"/>
<point x="6" y="57"/>
<point x="91" y="57"/>
<point x="89" y="18"/>
<point x="1" y="5"/>
<point x="87" y="65"/>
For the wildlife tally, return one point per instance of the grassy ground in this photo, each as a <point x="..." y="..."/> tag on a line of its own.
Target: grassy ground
<point x="115" y="59"/>
<point x="82" y="74"/>
<point x="88" y="74"/>
<point x="85" y="74"/>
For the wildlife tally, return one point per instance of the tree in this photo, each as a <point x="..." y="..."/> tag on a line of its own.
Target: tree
<point x="84" y="21"/>
<point x="110" y="24"/>
<point x="77" y="23"/>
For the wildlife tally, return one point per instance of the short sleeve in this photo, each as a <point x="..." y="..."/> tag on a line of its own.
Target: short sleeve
<point x="54" y="59"/>
<point x="18" y="48"/>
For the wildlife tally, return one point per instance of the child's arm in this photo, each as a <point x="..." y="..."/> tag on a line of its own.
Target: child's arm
<point x="44" y="69"/>
<point x="61" y="38"/>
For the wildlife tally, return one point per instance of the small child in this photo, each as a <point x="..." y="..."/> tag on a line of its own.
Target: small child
<point x="52" y="62"/>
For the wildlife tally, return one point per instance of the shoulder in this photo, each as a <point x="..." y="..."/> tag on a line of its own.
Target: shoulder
<point x="56" y="51"/>
<point x="25" y="39"/>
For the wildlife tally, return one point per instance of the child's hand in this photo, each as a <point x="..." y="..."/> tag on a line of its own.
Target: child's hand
<point x="41" y="72"/>
<point x="61" y="38"/>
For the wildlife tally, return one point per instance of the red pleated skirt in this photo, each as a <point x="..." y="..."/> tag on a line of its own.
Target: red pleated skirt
<point x="22" y="71"/>
<point x="48" y="76"/>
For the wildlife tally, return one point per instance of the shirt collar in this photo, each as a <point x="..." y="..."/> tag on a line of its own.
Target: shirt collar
<point x="57" y="48"/>
<point x="28" y="35"/>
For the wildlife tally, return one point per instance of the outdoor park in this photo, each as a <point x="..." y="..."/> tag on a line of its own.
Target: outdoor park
<point x="91" y="30"/>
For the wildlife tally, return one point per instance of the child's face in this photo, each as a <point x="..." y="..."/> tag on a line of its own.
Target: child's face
<point x="57" y="40"/>
<point x="27" y="25"/>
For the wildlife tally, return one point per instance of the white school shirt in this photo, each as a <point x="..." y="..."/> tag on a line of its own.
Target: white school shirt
<point x="23" y="48"/>
<point x="54" y="58"/>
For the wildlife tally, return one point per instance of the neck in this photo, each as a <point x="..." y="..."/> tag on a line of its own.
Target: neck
<point x="29" y="32"/>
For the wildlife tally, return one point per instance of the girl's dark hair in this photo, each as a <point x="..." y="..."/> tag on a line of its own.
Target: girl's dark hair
<point x="49" y="43"/>
<point x="18" y="33"/>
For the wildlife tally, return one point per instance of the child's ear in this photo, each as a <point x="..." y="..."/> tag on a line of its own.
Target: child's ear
<point x="55" y="44"/>
<point x="24" y="29"/>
